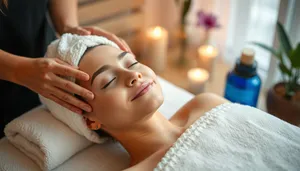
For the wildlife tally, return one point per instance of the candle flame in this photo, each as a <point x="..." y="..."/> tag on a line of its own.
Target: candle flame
<point x="198" y="74"/>
<point x="209" y="49"/>
<point x="157" y="32"/>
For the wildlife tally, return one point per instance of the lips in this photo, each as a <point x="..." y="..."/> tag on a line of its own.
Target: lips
<point x="144" y="88"/>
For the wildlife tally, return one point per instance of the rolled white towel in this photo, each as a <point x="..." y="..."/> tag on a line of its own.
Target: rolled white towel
<point x="44" y="139"/>
<point x="12" y="159"/>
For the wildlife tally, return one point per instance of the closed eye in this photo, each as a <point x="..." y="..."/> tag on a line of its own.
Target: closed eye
<point x="106" y="85"/>
<point x="133" y="64"/>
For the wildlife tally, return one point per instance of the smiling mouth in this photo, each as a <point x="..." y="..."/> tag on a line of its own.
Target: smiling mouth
<point x="145" y="88"/>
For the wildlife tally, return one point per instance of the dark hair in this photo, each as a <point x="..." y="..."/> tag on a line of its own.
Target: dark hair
<point x="100" y="131"/>
<point x="103" y="133"/>
<point x="5" y="4"/>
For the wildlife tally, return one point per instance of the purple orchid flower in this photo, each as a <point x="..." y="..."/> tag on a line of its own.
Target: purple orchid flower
<point x="207" y="20"/>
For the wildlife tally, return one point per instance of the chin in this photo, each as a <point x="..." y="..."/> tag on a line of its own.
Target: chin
<point x="150" y="105"/>
<point x="148" y="111"/>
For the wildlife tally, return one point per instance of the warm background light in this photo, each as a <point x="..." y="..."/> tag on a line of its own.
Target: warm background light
<point x="198" y="74"/>
<point x="197" y="78"/>
<point x="207" y="55"/>
<point x="157" y="32"/>
<point x="207" y="51"/>
<point x="156" y="46"/>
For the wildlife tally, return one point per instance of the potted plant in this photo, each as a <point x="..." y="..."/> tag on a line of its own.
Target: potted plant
<point x="208" y="21"/>
<point x="283" y="99"/>
<point x="185" y="5"/>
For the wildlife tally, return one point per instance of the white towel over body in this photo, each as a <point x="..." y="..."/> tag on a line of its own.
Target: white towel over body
<point x="235" y="137"/>
<point x="44" y="139"/>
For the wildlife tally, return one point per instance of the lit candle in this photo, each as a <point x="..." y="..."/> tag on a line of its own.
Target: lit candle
<point x="197" y="79"/>
<point x="156" y="45"/>
<point x="207" y="55"/>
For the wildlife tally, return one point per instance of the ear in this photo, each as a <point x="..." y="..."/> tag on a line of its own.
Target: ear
<point x="91" y="123"/>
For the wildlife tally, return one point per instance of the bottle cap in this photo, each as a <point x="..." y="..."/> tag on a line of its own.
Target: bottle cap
<point x="247" y="57"/>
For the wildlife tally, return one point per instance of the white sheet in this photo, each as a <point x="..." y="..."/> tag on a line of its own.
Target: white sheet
<point x="235" y="137"/>
<point x="175" y="98"/>
<point x="109" y="156"/>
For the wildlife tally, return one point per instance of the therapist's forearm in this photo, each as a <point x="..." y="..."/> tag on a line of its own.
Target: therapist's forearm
<point x="63" y="14"/>
<point x="8" y="65"/>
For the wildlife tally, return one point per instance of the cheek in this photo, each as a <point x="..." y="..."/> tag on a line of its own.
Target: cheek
<point x="146" y="71"/>
<point x="150" y="73"/>
<point x="110" y="107"/>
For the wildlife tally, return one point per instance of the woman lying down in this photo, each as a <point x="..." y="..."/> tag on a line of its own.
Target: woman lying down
<point x="207" y="133"/>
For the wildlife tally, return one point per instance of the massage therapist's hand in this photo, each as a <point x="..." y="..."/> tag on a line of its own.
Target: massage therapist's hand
<point x="41" y="76"/>
<point x="99" y="32"/>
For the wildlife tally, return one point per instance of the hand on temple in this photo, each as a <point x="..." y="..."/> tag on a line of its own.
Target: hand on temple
<point x="41" y="76"/>
<point x="93" y="30"/>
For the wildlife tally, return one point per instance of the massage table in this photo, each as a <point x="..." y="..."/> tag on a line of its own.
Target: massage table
<point x="109" y="156"/>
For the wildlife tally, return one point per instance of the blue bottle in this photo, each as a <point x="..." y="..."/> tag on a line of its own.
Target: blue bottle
<point x="243" y="84"/>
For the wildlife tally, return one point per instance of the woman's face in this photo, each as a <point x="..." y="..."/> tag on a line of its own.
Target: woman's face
<point x="126" y="92"/>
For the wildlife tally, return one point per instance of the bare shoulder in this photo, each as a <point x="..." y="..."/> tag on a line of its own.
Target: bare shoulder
<point x="196" y="107"/>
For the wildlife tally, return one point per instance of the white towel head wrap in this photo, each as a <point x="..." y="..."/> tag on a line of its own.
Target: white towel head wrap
<point x="70" y="48"/>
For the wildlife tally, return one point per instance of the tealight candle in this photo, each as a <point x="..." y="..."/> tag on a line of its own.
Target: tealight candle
<point x="197" y="79"/>
<point x="207" y="55"/>
<point x="156" y="46"/>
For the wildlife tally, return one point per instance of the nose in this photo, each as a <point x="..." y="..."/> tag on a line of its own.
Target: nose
<point x="133" y="78"/>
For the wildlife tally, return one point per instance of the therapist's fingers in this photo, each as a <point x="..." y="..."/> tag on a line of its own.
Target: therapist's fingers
<point x="108" y="35"/>
<point x="70" y="99"/>
<point x="64" y="104"/>
<point x="118" y="41"/>
<point x="77" y="30"/>
<point x="64" y="63"/>
<point x="125" y="44"/>
<point x="66" y="70"/>
<point x="71" y="87"/>
<point x="82" y="31"/>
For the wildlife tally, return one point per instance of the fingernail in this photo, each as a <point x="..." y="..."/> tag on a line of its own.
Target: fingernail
<point x="77" y="111"/>
<point x="90" y="95"/>
<point x="85" y="76"/>
<point x="87" y="108"/>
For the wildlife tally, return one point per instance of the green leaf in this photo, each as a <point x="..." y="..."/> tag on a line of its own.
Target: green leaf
<point x="295" y="57"/>
<point x="284" y="69"/>
<point x="186" y="7"/>
<point x="270" y="49"/>
<point x="284" y="40"/>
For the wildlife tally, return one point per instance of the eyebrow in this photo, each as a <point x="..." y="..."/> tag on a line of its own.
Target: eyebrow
<point x="106" y="67"/>
<point x="121" y="55"/>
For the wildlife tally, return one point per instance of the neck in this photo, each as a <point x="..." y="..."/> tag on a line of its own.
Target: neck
<point x="154" y="133"/>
